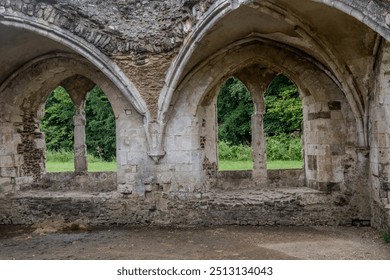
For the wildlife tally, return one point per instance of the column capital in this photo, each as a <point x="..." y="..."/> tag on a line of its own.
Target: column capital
<point x="256" y="78"/>
<point x="78" y="87"/>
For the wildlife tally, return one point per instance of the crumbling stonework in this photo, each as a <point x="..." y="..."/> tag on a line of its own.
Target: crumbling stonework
<point x="161" y="64"/>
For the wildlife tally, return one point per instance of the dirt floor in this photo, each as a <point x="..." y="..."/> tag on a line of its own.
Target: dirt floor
<point x="227" y="242"/>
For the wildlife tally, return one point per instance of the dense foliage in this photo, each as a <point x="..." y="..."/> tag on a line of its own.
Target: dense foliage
<point x="280" y="147"/>
<point x="283" y="108"/>
<point x="235" y="107"/>
<point x="58" y="121"/>
<point x="282" y="120"/>
<point x="100" y="128"/>
<point x="100" y="125"/>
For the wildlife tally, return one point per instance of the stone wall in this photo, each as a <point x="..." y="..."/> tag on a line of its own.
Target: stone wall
<point x="255" y="207"/>
<point x="380" y="144"/>
<point x="161" y="64"/>
<point x="238" y="180"/>
<point x="143" y="47"/>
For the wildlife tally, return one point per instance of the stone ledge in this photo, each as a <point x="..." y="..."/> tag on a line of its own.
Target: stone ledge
<point x="70" y="181"/>
<point x="290" y="206"/>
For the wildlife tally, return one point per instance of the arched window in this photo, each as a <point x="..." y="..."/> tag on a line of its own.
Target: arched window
<point x="57" y="124"/>
<point x="100" y="132"/>
<point x="234" y="110"/>
<point x="283" y="124"/>
<point x="71" y="124"/>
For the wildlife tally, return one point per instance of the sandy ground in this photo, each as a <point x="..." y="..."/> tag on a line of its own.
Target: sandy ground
<point x="227" y="242"/>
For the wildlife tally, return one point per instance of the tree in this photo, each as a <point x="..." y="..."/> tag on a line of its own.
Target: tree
<point x="235" y="107"/>
<point x="57" y="122"/>
<point x="283" y="107"/>
<point x="100" y="127"/>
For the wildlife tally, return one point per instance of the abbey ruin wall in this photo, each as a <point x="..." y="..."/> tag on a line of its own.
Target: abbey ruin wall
<point x="161" y="63"/>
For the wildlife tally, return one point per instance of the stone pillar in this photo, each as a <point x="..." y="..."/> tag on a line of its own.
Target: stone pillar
<point x="78" y="88"/>
<point x="79" y="145"/>
<point x="257" y="79"/>
<point x="380" y="143"/>
<point x="258" y="140"/>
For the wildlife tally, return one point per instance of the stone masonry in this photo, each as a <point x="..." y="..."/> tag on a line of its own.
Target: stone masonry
<point x="161" y="64"/>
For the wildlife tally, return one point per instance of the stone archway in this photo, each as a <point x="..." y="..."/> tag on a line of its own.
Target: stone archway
<point x="330" y="127"/>
<point x="24" y="95"/>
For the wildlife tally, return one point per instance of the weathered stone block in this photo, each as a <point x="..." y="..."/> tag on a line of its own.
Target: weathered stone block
<point x="179" y="157"/>
<point x="337" y="172"/>
<point x="164" y="178"/>
<point x="184" y="167"/>
<point x="39" y="144"/>
<point x="8" y="172"/>
<point x="328" y="186"/>
<point x="337" y="149"/>
<point x="319" y="115"/>
<point x="6" y="161"/>
<point x="135" y="144"/>
<point x="5" y="181"/>
<point x="382" y="125"/>
<point x="179" y="143"/>
<point x="19" y="160"/>
<point x="317" y="149"/>
<point x="336" y="115"/>
<point x="182" y="126"/>
<point x="126" y="188"/>
<point x="136" y="157"/>
<point x="312" y="162"/>
<point x="7" y="188"/>
<point x="383" y="140"/>
<point x="24" y="180"/>
<point x="131" y="178"/>
<point x="130" y="133"/>
<point x="131" y="168"/>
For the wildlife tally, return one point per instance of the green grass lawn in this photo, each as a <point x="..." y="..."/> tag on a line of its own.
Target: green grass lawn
<point x="247" y="165"/>
<point x="52" y="166"/>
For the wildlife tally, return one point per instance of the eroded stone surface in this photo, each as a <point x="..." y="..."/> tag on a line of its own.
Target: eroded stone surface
<point x="161" y="64"/>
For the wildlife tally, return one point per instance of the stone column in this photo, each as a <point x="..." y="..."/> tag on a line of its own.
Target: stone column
<point x="79" y="145"/>
<point x="78" y="88"/>
<point x="257" y="80"/>
<point x="258" y="140"/>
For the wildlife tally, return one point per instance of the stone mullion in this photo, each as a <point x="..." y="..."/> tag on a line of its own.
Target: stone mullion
<point x="257" y="80"/>
<point x="80" y="147"/>
<point x="78" y="88"/>
<point x="259" y="153"/>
